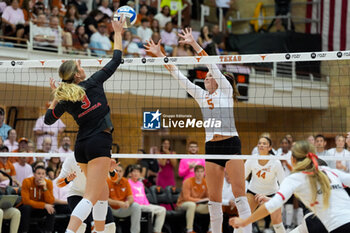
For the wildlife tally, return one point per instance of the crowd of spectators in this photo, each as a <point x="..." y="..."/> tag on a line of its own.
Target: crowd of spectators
<point x="76" y="29"/>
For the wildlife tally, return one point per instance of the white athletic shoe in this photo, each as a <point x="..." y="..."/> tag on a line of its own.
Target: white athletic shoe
<point x="268" y="230"/>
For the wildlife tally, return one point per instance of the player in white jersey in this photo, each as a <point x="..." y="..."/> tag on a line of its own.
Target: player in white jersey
<point x="266" y="175"/>
<point x="72" y="173"/>
<point x="216" y="102"/>
<point x="320" y="188"/>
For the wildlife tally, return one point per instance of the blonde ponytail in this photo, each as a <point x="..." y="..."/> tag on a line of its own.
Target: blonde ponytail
<point x="68" y="90"/>
<point x="307" y="163"/>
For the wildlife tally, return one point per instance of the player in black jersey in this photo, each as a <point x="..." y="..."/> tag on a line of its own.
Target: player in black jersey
<point x="86" y="101"/>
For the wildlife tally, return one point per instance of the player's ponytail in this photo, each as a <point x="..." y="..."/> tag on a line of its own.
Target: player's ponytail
<point x="68" y="90"/>
<point x="307" y="163"/>
<point x="231" y="78"/>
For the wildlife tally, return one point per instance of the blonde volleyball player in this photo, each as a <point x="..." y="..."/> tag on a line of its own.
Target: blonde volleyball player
<point x="266" y="176"/>
<point x="86" y="101"/>
<point x="215" y="102"/>
<point x="320" y="188"/>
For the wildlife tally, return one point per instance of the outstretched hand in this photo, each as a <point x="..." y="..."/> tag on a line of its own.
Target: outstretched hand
<point x="154" y="48"/>
<point x="186" y="36"/>
<point x="118" y="25"/>
<point x="53" y="84"/>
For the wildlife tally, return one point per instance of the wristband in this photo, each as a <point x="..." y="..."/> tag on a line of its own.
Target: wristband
<point x="66" y="180"/>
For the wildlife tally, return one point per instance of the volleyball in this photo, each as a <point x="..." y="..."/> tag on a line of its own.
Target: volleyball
<point x="128" y="12"/>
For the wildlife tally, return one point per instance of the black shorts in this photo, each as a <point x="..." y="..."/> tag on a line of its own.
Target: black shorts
<point x="230" y="146"/>
<point x="342" y="229"/>
<point x="248" y="191"/>
<point x="98" y="145"/>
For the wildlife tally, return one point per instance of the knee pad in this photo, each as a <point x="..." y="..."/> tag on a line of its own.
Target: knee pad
<point x="110" y="228"/>
<point x="99" y="210"/>
<point x="82" y="228"/>
<point x="83" y="209"/>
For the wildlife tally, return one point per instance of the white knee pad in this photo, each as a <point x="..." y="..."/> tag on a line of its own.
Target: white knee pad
<point x="82" y="228"/>
<point x="110" y="228"/>
<point x="83" y="209"/>
<point x="99" y="210"/>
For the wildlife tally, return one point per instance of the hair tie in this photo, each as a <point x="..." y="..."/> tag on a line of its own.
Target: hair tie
<point x="314" y="159"/>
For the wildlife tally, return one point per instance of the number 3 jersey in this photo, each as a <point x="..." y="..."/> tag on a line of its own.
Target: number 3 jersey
<point x="265" y="178"/>
<point x="215" y="107"/>
<point x="92" y="114"/>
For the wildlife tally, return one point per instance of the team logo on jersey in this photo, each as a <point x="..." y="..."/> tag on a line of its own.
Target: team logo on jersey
<point x="151" y="120"/>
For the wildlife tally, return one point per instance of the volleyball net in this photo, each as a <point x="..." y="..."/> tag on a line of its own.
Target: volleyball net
<point x="300" y="94"/>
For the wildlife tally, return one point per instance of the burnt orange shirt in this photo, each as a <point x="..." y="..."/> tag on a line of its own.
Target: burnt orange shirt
<point x="191" y="191"/>
<point x="119" y="191"/>
<point x="8" y="168"/>
<point x="35" y="195"/>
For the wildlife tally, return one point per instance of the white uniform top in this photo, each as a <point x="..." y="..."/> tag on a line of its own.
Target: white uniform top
<point x="78" y="184"/>
<point x="264" y="178"/>
<point x="217" y="106"/>
<point x="333" y="217"/>
<point x="334" y="152"/>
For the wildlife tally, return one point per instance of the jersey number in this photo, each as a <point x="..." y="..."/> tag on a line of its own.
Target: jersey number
<point x="210" y="103"/>
<point x="86" y="102"/>
<point x="261" y="174"/>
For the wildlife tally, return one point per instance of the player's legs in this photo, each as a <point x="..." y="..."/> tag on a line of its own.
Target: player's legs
<point x="252" y="203"/>
<point x="96" y="172"/>
<point x="215" y="179"/>
<point x="276" y="219"/>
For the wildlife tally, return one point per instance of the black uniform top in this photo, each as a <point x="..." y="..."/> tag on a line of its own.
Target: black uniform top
<point x="93" y="113"/>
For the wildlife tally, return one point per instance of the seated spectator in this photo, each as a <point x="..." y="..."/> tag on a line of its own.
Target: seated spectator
<point x="47" y="145"/>
<point x="65" y="38"/>
<point x="186" y="167"/>
<point x="115" y="5"/>
<point x="30" y="147"/>
<point x="56" y="13"/>
<point x="23" y="169"/>
<point x="130" y="48"/>
<point x="42" y="130"/>
<point x="320" y="144"/>
<point x="144" y="32"/>
<point x="39" y="8"/>
<point x="65" y="147"/>
<point x="194" y="193"/>
<point x="339" y="151"/>
<point x="149" y="172"/>
<point x="104" y="8"/>
<point x="22" y="148"/>
<point x="169" y="38"/>
<point x="72" y="14"/>
<point x="12" y="214"/>
<point x="122" y="202"/>
<point x="13" y="21"/>
<point x="53" y="167"/>
<point x="81" y="6"/>
<point x="7" y="167"/>
<point x="163" y="17"/>
<point x="155" y="25"/>
<point x="311" y="139"/>
<point x="1" y="142"/>
<point x="60" y="7"/>
<point x="206" y="42"/>
<point x="28" y="7"/>
<point x="99" y="41"/>
<point x="156" y="38"/>
<point x="218" y="38"/>
<point x="143" y="13"/>
<point x="166" y="175"/>
<point x="80" y="38"/>
<point x="11" y="141"/>
<point x="91" y="22"/>
<point x="42" y="34"/>
<point x="138" y="191"/>
<point x="183" y="50"/>
<point x="37" y="199"/>
<point x="4" y="128"/>
<point x="67" y="34"/>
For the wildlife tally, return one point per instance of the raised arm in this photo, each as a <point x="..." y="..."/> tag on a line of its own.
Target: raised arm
<point x="223" y="83"/>
<point x="194" y="90"/>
